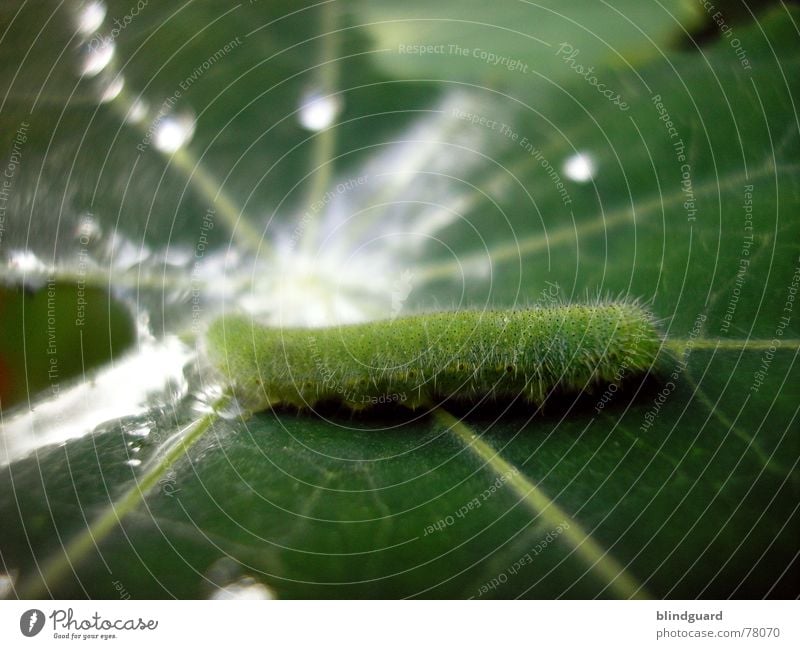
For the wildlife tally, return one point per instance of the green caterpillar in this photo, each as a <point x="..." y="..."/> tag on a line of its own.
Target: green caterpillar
<point x="416" y="360"/>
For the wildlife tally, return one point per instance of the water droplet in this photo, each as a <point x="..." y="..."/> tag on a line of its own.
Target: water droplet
<point x="25" y="261"/>
<point x="97" y="56"/>
<point x="138" y="431"/>
<point x="579" y="167"/>
<point x="90" y="17"/>
<point x="111" y="90"/>
<point x="317" y="111"/>
<point x="173" y="131"/>
<point x="244" y="588"/>
<point x="134" y="462"/>
<point x="137" y="111"/>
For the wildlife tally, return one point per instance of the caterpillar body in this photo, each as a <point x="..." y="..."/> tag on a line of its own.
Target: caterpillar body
<point x="416" y="360"/>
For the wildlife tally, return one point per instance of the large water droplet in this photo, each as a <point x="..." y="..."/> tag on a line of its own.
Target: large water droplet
<point x="579" y="167"/>
<point x="317" y="111"/>
<point x="173" y="131"/>
<point x="83" y="407"/>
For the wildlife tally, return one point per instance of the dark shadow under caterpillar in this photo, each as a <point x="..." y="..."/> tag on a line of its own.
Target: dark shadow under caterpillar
<point x="417" y="360"/>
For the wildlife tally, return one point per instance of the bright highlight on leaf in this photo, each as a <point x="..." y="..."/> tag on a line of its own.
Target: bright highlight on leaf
<point x="465" y="355"/>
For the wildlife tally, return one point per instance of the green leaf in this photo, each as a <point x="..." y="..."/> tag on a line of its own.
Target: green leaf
<point x="474" y="40"/>
<point x="680" y="484"/>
